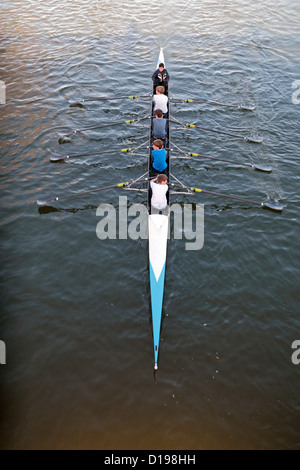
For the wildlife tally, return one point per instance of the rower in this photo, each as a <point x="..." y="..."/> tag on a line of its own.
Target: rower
<point x="159" y="125"/>
<point x="160" y="100"/>
<point x="161" y="77"/>
<point x="159" y="155"/>
<point x="159" y="189"/>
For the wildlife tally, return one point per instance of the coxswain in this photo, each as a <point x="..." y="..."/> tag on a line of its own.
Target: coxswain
<point x="161" y="77"/>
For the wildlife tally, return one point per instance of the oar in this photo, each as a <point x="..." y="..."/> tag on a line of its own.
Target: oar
<point x="243" y="108"/>
<point x="266" y="205"/>
<point x="128" y="121"/>
<point x="267" y="169"/>
<point x="132" y="97"/>
<point x="45" y="201"/>
<point x="248" y="139"/>
<point x="60" y="158"/>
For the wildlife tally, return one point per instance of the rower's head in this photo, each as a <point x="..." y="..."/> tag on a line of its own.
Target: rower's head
<point x="159" y="114"/>
<point x="161" y="67"/>
<point x="160" y="90"/>
<point x="162" y="179"/>
<point x="157" y="144"/>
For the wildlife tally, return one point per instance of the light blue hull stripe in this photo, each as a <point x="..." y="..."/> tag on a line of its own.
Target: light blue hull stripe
<point x="157" y="294"/>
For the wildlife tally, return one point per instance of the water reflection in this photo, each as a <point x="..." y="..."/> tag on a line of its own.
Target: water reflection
<point x="75" y="310"/>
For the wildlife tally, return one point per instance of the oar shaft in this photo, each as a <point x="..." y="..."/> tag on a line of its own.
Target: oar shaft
<point x="43" y="202"/>
<point x="128" y="121"/>
<point x="207" y="129"/>
<point x="132" y="97"/>
<point x="59" y="158"/>
<point x="82" y="193"/>
<point x="219" y="159"/>
<point x="265" y="205"/>
<point x="217" y="132"/>
<point x="100" y="127"/>
<point x="198" y="190"/>
<point x="249" y="139"/>
<point x="85" y="154"/>
<point x="264" y="168"/>
<point x="188" y="100"/>
<point x="214" y="103"/>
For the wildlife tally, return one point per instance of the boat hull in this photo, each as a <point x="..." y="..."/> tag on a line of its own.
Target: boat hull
<point x="158" y="226"/>
<point x="158" y="229"/>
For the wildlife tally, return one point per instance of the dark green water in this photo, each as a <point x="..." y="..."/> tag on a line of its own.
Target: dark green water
<point x="75" y="314"/>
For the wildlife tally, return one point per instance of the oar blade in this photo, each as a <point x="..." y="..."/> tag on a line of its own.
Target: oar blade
<point x="246" y="108"/>
<point x="45" y="201"/>
<point x="77" y="105"/>
<point x="253" y="140"/>
<point x="66" y="134"/>
<point x="57" y="158"/>
<point x="266" y="169"/>
<point x="273" y="206"/>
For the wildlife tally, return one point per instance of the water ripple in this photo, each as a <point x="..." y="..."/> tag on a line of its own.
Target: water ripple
<point x="76" y="310"/>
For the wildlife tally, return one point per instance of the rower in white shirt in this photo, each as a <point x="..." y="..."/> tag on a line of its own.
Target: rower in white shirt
<point x="160" y="100"/>
<point x="159" y="188"/>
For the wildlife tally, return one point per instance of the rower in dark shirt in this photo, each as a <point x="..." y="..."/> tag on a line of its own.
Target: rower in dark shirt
<point x="161" y="77"/>
<point x="159" y="125"/>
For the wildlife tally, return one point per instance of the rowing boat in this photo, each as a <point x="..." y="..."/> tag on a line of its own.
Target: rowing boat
<point x="158" y="221"/>
<point x="158" y="227"/>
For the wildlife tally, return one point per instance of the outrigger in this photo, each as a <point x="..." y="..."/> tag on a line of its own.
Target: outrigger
<point x="158" y="221"/>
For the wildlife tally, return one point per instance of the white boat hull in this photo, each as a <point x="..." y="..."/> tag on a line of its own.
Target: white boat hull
<point x="158" y="226"/>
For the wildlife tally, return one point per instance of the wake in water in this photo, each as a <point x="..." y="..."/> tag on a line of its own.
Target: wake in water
<point x="166" y="20"/>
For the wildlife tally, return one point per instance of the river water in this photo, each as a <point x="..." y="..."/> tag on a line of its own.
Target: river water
<point x="75" y="310"/>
